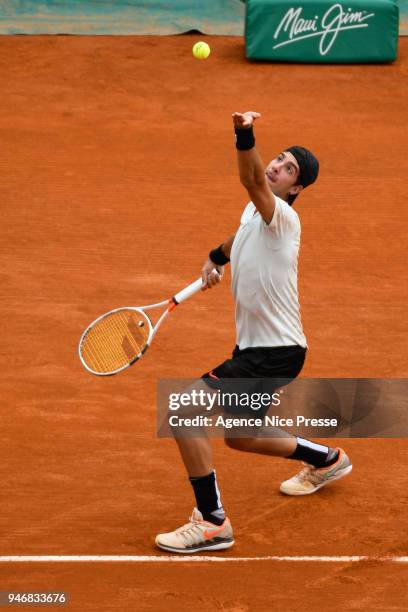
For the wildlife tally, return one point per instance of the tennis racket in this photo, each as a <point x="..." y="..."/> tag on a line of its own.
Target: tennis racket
<point x="117" y="339"/>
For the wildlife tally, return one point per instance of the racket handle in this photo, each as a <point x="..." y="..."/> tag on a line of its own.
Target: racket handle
<point x="187" y="292"/>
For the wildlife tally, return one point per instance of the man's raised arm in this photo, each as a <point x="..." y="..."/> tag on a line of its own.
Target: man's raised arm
<point x="251" y="169"/>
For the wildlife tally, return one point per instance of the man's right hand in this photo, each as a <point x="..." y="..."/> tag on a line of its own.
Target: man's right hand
<point x="211" y="274"/>
<point x="244" y="120"/>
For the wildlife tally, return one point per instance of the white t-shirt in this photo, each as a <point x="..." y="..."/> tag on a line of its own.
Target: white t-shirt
<point x="264" y="278"/>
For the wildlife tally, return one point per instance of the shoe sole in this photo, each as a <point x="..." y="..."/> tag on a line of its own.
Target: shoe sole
<point x="339" y="474"/>
<point x="189" y="551"/>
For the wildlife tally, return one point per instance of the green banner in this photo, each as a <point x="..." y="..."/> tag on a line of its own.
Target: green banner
<point x="322" y="31"/>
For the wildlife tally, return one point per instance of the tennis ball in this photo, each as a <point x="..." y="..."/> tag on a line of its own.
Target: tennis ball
<point x="201" y="50"/>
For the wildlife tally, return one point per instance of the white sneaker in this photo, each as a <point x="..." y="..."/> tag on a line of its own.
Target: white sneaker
<point x="311" y="479"/>
<point x="197" y="535"/>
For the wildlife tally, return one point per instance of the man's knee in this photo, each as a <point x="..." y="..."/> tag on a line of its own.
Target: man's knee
<point x="242" y="444"/>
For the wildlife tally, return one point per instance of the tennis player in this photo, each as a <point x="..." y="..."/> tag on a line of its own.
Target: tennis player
<point x="270" y="339"/>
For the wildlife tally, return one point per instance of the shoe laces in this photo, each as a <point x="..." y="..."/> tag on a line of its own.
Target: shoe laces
<point x="190" y="526"/>
<point x="190" y="533"/>
<point x="310" y="473"/>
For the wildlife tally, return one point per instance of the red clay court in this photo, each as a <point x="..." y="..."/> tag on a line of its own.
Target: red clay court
<point x="118" y="175"/>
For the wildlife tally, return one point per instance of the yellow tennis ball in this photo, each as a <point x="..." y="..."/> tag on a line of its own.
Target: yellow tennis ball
<point x="201" y="50"/>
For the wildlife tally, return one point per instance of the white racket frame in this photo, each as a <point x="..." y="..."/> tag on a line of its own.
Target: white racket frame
<point x="177" y="299"/>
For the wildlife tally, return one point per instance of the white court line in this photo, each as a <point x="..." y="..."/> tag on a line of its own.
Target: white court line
<point x="187" y="558"/>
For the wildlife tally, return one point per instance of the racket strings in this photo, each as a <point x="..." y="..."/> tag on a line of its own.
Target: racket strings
<point x="115" y="341"/>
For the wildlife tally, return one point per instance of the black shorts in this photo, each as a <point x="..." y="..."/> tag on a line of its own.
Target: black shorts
<point x="260" y="370"/>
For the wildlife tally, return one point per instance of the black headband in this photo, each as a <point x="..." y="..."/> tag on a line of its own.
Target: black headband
<point x="308" y="168"/>
<point x="308" y="165"/>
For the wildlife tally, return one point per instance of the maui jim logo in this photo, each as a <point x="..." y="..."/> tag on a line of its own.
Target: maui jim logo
<point x="334" y="21"/>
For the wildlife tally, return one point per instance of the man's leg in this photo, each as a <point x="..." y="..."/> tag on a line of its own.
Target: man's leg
<point x="209" y="528"/>
<point x="287" y="446"/>
<point x="196" y="454"/>
<point x="197" y="457"/>
<point x="283" y="364"/>
<point x="277" y="447"/>
<point x="323" y="463"/>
